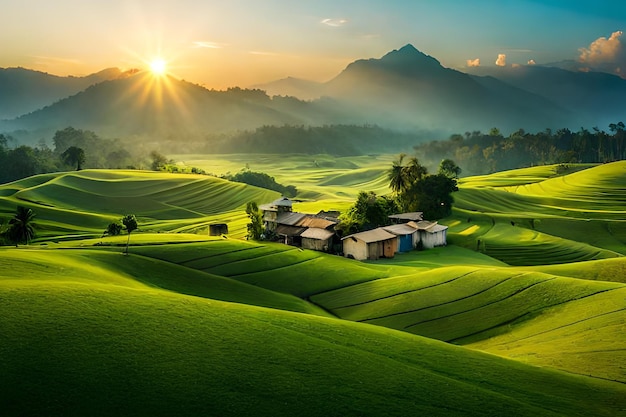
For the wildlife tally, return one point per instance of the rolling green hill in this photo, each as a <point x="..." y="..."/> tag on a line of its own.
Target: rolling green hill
<point x="99" y="349"/>
<point x="85" y="202"/>
<point x="188" y="324"/>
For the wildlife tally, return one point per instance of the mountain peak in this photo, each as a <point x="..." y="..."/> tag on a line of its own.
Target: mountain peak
<point x="410" y="57"/>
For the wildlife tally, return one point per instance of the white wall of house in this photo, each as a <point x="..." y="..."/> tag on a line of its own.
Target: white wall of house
<point x="431" y="240"/>
<point x="356" y="248"/>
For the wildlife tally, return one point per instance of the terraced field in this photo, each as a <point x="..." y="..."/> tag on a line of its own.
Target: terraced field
<point x="85" y="202"/>
<point x="187" y="324"/>
<point x="535" y="216"/>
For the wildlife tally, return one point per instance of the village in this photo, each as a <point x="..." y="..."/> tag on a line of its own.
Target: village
<point x="408" y="231"/>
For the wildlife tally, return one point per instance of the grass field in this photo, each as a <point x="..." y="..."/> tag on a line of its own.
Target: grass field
<point x="103" y="350"/>
<point x="188" y="324"/>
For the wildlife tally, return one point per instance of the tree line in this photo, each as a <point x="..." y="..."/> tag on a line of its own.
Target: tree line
<point x="72" y="149"/>
<point x="482" y="153"/>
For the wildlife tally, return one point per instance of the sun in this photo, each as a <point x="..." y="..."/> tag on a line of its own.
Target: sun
<point x="158" y="66"/>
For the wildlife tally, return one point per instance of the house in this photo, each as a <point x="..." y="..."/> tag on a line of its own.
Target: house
<point x="431" y="234"/>
<point x="272" y="210"/>
<point x="372" y="244"/>
<point x="317" y="239"/>
<point x="408" y="237"/>
<point x="415" y="216"/>
<point x="287" y="228"/>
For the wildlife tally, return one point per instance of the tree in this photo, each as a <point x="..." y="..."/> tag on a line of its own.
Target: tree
<point x="397" y="175"/>
<point x="130" y="224"/>
<point x="449" y="168"/>
<point x="74" y="156"/>
<point x="431" y="195"/>
<point x="113" y="229"/>
<point x="255" y="227"/>
<point x="158" y="161"/>
<point x="21" y="226"/>
<point x="368" y="212"/>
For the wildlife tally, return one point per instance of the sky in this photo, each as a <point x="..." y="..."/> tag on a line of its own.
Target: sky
<point x="220" y="44"/>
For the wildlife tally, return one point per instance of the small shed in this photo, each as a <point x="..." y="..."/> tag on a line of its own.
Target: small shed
<point x="290" y="235"/>
<point x="317" y="239"/>
<point x="372" y="244"/>
<point x="218" y="229"/>
<point x="431" y="234"/>
<point x="407" y="236"/>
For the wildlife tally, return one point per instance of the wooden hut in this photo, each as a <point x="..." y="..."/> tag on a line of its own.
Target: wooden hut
<point x="372" y="244"/>
<point x="431" y="234"/>
<point x="407" y="236"/>
<point x="317" y="239"/>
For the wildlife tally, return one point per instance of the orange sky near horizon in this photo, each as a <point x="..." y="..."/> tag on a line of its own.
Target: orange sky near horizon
<point x="244" y="42"/>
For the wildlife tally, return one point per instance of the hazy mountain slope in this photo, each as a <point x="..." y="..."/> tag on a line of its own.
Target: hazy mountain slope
<point x="162" y="106"/>
<point x="291" y="86"/>
<point x="597" y="98"/>
<point x="24" y="91"/>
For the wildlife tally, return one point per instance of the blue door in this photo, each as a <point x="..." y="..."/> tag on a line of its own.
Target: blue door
<point x="406" y="243"/>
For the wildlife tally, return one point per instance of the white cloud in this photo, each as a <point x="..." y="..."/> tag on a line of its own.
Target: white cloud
<point x="473" y="62"/>
<point x="531" y="62"/>
<point x="209" y="45"/>
<point x="501" y="61"/>
<point x="334" y="22"/>
<point x="606" y="55"/>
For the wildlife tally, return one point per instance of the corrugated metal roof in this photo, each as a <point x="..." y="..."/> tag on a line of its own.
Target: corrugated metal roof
<point x="375" y="235"/>
<point x="400" y="229"/>
<point x="317" y="233"/>
<point x="283" y="201"/>
<point x="423" y="225"/>
<point x="312" y="221"/>
<point x="289" y="230"/>
<point x="436" y="228"/>
<point x="414" y="216"/>
<point x="290" y="219"/>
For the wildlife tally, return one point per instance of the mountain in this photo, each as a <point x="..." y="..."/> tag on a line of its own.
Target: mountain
<point x="407" y="87"/>
<point x="596" y="98"/>
<point x="143" y="104"/>
<point x="23" y="90"/>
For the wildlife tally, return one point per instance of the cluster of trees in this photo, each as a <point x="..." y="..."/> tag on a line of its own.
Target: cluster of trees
<point x="263" y="180"/>
<point x="128" y="223"/>
<point x="341" y="140"/>
<point x="73" y="149"/>
<point x="482" y="153"/>
<point x="413" y="190"/>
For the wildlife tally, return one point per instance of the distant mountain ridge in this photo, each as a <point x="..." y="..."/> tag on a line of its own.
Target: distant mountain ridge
<point x="405" y="90"/>
<point x="23" y="90"/>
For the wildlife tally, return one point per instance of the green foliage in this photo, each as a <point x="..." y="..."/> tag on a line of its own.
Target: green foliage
<point x="113" y="229"/>
<point x="431" y="195"/>
<point x="158" y="161"/>
<point x="368" y="212"/>
<point x="74" y="156"/>
<point x="449" y="168"/>
<point x="261" y="179"/>
<point x="255" y="225"/>
<point x="21" y="228"/>
<point x="480" y="153"/>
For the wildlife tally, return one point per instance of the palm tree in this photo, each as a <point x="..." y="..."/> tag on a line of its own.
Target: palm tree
<point x="130" y="223"/>
<point x="414" y="171"/>
<point x="74" y="156"/>
<point x="397" y="175"/>
<point x="21" y="226"/>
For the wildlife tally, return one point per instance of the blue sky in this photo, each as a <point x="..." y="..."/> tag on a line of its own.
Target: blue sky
<point x="242" y="42"/>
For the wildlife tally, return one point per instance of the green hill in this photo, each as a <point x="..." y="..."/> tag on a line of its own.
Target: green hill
<point x="85" y="202"/>
<point x="101" y="350"/>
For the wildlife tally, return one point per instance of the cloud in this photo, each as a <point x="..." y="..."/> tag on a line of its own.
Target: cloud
<point x="501" y="61"/>
<point x="473" y="62"/>
<point x="606" y="55"/>
<point x="334" y="22"/>
<point x="209" y="45"/>
<point x="531" y="62"/>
